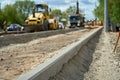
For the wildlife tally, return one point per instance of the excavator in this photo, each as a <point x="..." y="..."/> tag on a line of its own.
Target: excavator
<point x="40" y="19"/>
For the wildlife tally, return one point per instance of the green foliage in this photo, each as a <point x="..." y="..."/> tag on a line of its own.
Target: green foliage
<point x="113" y="10"/>
<point x="11" y="15"/>
<point x="16" y="13"/>
<point x="1" y="19"/>
<point x="64" y="15"/>
<point x="56" y="12"/>
<point x="99" y="11"/>
<point x="24" y="7"/>
<point x="71" y="10"/>
<point x="59" y="13"/>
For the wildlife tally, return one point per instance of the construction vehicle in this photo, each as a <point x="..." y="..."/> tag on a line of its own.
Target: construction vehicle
<point x="40" y="19"/>
<point x="100" y="23"/>
<point x="76" y="19"/>
<point x="91" y="24"/>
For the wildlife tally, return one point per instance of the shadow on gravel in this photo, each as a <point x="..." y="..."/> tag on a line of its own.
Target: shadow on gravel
<point x="79" y="64"/>
<point x="24" y="38"/>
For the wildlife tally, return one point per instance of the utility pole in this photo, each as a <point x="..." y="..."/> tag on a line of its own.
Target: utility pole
<point x="106" y="27"/>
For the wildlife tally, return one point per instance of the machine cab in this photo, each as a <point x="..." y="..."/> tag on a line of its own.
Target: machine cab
<point x="41" y="8"/>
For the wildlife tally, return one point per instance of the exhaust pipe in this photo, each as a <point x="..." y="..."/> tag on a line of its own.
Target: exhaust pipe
<point x="33" y="12"/>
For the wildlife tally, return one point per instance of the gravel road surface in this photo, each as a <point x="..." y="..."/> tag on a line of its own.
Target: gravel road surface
<point x="16" y="59"/>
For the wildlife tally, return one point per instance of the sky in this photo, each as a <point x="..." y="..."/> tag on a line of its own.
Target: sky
<point x="87" y="6"/>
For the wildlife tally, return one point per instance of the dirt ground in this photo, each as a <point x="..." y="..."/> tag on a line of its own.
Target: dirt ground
<point x="20" y="58"/>
<point x="95" y="61"/>
<point x="105" y="64"/>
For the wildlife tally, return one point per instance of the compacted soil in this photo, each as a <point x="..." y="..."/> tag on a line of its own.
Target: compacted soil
<point x="16" y="59"/>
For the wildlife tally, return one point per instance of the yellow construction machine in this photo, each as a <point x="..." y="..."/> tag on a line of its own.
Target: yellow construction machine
<point x="40" y="19"/>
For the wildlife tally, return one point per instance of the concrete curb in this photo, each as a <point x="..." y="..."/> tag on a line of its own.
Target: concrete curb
<point x="52" y="66"/>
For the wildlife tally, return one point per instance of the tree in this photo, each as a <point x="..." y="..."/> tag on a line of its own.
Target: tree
<point x="71" y="10"/>
<point x="24" y="7"/>
<point x="16" y="13"/>
<point x="11" y="16"/>
<point x="99" y="10"/>
<point x="1" y="19"/>
<point x="64" y="15"/>
<point x="113" y="10"/>
<point x="115" y="13"/>
<point x="56" y="12"/>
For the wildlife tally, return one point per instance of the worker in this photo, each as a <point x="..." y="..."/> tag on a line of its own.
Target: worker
<point x="4" y="25"/>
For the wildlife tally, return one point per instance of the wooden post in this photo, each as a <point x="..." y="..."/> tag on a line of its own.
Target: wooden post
<point x="116" y="42"/>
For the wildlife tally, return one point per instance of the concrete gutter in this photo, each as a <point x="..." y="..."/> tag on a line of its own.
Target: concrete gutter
<point x="53" y="65"/>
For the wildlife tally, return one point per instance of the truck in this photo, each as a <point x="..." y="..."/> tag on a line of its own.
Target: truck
<point x="76" y="19"/>
<point x="40" y="19"/>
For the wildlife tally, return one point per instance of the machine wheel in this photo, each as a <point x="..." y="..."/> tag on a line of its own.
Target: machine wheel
<point x="45" y="25"/>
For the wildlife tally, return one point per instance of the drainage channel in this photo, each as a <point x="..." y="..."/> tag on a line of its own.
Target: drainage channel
<point x="77" y="66"/>
<point x="69" y="64"/>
